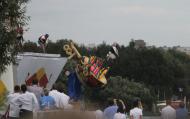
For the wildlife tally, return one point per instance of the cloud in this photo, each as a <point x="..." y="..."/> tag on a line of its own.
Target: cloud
<point x="140" y="10"/>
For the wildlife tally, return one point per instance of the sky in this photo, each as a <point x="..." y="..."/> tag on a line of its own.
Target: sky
<point x="157" y="22"/>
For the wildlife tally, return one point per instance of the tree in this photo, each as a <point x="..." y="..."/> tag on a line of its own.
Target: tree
<point x="122" y="88"/>
<point x="102" y="50"/>
<point x="12" y="15"/>
<point x="58" y="45"/>
<point x="30" y="47"/>
<point x="163" y="71"/>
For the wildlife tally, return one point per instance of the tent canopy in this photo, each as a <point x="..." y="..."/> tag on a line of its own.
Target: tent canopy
<point x="29" y="63"/>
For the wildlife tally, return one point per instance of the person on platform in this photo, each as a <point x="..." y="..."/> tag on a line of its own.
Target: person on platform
<point x="113" y="52"/>
<point x="14" y="107"/>
<point x="111" y="56"/>
<point x="42" y="41"/>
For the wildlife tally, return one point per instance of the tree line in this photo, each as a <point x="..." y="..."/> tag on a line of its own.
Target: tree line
<point x="160" y="72"/>
<point x="147" y="73"/>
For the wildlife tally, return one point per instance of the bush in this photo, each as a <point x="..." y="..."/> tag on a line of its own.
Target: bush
<point x="122" y="88"/>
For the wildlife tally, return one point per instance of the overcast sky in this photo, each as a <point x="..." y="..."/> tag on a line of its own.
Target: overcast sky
<point x="158" y="22"/>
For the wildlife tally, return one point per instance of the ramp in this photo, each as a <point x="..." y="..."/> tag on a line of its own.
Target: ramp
<point x="29" y="63"/>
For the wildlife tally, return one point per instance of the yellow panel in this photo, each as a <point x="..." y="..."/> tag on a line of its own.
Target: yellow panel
<point x="103" y="80"/>
<point x="40" y="73"/>
<point x="2" y="88"/>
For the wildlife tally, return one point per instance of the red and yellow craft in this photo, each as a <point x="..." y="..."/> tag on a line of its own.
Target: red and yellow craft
<point x="90" y="70"/>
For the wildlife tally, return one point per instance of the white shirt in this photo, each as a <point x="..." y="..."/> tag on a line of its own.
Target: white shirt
<point x="28" y="101"/>
<point x="61" y="99"/>
<point x="56" y="97"/>
<point x="119" y="116"/>
<point x="136" y="113"/>
<point x="14" y="107"/>
<point x="168" y="113"/>
<point x="64" y="101"/>
<point x="99" y="114"/>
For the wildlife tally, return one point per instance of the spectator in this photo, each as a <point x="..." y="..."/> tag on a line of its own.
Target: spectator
<point x="168" y="112"/>
<point x="98" y="114"/>
<point x="28" y="103"/>
<point x="55" y="94"/>
<point x="140" y="104"/>
<point x="14" y="107"/>
<point x="120" y="111"/>
<point x="47" y="102"/>
<point x="61" y="99"/>
<point x="181" y="112"/>
<point x="110" y="111"/>
<point x="136" y="112"/>
<point x="64" y="101"/>
<point x="37" y="90"/>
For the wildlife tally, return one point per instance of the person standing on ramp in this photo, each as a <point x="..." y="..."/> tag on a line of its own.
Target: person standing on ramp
<point x="42" y="41"/>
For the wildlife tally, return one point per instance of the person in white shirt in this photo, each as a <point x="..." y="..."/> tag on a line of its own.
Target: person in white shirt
<point x="136" y="112"/>
<point x="14" y="107"/>
<point x="55" y="94"/>
<point x="120" y="111"/>
<point x="61" y="99"/>
<point x="168" y="112"/>
<point x="28" y="103"/>
<point x="98" y="114"/>
<point x="64" y="101"/>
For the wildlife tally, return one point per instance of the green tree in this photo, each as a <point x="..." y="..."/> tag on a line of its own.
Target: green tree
<point x="30" y="47"/>
<point x="163" y="71"/>
<point x="122" y="88"/>
<point x="102" y="50"/>
<point x="56" y="47"/>
<point x="12" y="15"/>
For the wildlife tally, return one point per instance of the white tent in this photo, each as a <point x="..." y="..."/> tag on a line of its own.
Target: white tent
<point x="30" y="63"/>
